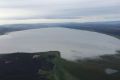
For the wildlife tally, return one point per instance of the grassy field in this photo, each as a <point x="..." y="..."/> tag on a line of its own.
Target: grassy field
<point x="50" y="66"/>
<point x="88" y="69"/>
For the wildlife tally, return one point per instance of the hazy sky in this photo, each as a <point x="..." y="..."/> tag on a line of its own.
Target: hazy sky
<point x="58" y="10"/>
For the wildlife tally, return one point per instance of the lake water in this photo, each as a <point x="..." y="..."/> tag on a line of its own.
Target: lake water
<point x="72" y="44"/>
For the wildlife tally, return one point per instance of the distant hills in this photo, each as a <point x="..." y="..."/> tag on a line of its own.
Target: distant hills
<point x="111" y="27"/>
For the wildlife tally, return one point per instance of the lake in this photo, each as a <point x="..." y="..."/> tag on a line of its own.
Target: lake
<point x="72" y="43"/>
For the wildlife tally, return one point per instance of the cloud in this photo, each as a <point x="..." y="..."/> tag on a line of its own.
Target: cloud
<point x="57" y="9"/>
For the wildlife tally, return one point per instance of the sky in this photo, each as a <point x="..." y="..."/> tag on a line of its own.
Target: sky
<point x="48" y="11"/>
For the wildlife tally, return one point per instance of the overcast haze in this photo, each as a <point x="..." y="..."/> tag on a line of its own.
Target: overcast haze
<point x="60" y="10"/>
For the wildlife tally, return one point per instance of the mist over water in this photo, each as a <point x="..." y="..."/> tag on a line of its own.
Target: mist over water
<point x="72" y="44"/>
